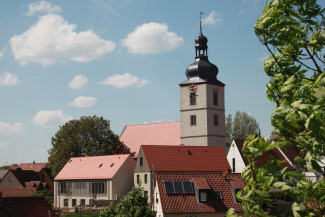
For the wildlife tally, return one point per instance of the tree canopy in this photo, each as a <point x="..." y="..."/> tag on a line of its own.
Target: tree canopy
<point x="88" y="136"/>
<point x="135" y="204"/>
<point x="241" y="126"/>
<point x="293" y="31"/>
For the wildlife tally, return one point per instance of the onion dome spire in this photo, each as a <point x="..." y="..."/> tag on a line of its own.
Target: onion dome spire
<point x="202" y="68"/>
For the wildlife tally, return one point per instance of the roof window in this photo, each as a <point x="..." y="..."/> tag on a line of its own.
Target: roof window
<point x="100" y="165"/>
<point x="218" y="195"/>
<point x="112" y="164"/>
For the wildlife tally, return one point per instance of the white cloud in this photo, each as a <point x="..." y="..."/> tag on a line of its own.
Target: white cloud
<point x="50" y="119"/>
<point x="42" y="7"/>
<point x="152" y="38"/>
<point x="8" y="79"/>
<point x="7" y="129"/>
<point x="240" y="12"/>
<point x="83" y="102"/>
<point x="3" y="144"/>
<point x="53" y="39"/>
<point x="125" y="80"/>
<point x="213" y="19"/>
<point x="2" y="52"/>
<point x="78" y="82"/>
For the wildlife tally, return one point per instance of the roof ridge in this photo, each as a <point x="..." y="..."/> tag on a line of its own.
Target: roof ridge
<point x="154" y="123"/>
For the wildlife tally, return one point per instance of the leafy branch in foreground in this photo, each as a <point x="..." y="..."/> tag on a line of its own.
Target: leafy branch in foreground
<point x="293" y="31"/>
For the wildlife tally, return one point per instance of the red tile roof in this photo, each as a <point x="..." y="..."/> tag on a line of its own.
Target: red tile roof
<point x="17" y="192"/>
<point x="32" y="206"/>
<point x="236" y="180"/>
<point x="37" y="167"/>
<point x="263" y="159"/>
<point x="185" y="158"/>
<point x="188" y="203"/>
<point x="200" y="183"/>
<point x="167" y="133"/>
<point x="95" y="167"/>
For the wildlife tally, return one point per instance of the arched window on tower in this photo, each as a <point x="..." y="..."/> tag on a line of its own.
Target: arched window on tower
<point x="192" y="99"/>
<point x="215" y="98"/>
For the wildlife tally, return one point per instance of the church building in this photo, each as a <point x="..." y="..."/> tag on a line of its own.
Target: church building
<point x="202" y="110"/>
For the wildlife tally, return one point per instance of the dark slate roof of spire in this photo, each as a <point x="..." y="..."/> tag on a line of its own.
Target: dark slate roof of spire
<point x="202" y="70"/>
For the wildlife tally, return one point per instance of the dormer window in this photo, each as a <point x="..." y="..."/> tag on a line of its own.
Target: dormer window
<point x="141" y="161"/>
<point x="203" y="196"/>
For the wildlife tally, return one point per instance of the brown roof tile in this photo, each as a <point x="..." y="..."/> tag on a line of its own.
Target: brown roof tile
<point x="188" y="203"/>
<point x="32" y="206"/>
<point x="185" y="158"/>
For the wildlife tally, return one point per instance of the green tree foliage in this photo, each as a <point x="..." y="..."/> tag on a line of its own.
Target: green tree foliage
<point x="88" y="136"/>
<point x="293" y="31"/>
<point x="135" y="204"/>
<point x="240" y="127"/>
<point x="46" y="193"/>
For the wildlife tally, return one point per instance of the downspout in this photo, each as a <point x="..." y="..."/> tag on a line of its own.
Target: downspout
<point x="152" y="186"/>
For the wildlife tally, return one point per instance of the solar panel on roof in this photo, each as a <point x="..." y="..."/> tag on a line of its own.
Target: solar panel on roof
<point x="188" y="189"/>
<point x="178" y="187"/>
<point x="169" y="188"/>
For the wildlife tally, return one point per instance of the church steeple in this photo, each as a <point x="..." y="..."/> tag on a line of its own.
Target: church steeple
<point x="202" y="106"/>
<point x="202" y="69"/>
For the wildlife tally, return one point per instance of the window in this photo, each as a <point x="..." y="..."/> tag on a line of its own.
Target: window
<point x="157" y="198"/>
<point x="65" y="202"/>
<point x="192" y="99"/>
<point x="215" y="98"/>
<point x="236" y="191"/>
<point x="82" y="202"/>
<point x="138" y="179"/>
<point x="146" y="178"/>
<point x="79" y="185"/>
<point x="233" y="165"/>
<point x="218" y="195"/>
<point x="42" y="176"/>
<point x="203" y="196"/>
<point x="141" y="161"/>
<point x="9" y="178"/>
<point x="97" y="188"/>
<point x="74" y="202"/>
<point x="216" y="120"/>
<point x="146" y="193"/>
<point x="63" y="187"/>
<point x="193" y="120"/>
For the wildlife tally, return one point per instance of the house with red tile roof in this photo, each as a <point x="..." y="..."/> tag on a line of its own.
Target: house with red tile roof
<point x="85" y="180"/>
<point x="238" y="161"/>
<point x="168" y="133"/>
<point x="196" y="194"/>
<point x="153" y="159"/>
<point x="22" y="183"/>
<point x="41" y="170"/>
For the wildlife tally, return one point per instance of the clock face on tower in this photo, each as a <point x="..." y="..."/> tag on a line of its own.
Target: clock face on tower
<point x="193" y="88"/>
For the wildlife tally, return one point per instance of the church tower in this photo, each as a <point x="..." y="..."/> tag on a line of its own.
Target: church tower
<point x="202" y="104"/>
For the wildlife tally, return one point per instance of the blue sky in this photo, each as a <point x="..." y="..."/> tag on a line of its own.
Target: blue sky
<point x="120" y="59"/>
